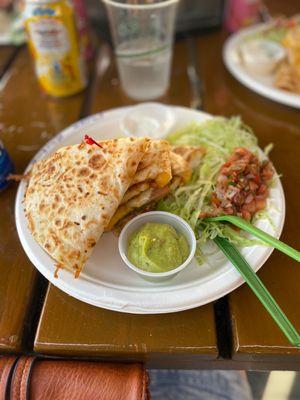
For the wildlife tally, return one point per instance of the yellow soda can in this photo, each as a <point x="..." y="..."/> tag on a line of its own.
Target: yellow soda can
<point x="52" y="39"/>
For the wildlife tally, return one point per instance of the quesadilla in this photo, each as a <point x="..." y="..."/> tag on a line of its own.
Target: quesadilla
<point x="73" y="194"/>
<point x="81" y="191"/>
<point x="155" y="165"/>
<point x="144" y="195"/>
<point x="192" y="155"/>
<point x="150" y="181"/>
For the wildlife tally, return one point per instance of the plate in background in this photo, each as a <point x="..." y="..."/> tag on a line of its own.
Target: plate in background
<point x="262" y="85"/>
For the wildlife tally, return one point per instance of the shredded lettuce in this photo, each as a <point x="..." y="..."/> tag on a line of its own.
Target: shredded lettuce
<point x="220" y="136"/>
<point x="276" y="31"/>
<point x="268" y="149"/>
<point x="209" y="230"/>
<point x="276" y="34"/>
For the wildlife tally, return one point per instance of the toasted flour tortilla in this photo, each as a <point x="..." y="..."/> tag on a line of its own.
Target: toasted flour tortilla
<point x="160" y="171"/>
<point x="73" y="194"/>
<point x="155" y="165"/>
<point x="81" y="191"/>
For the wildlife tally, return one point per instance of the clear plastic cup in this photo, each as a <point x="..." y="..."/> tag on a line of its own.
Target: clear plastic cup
<point x="143" y="34"/>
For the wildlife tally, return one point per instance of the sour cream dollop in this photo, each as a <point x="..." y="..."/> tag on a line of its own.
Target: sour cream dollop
<point x="261" y="56"/>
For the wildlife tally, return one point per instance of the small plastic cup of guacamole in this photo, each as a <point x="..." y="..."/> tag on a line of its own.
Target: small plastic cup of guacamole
<point x="157" y="245"/>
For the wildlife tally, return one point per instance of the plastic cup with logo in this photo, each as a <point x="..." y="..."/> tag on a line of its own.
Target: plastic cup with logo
<point x="143" y="33"/>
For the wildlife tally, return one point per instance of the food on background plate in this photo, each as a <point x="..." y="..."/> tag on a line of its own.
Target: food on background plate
<point x="276" y="51"/>
<point x="261" y="56"/>
<point x="74" y="195"/>
<point x="288" y="74"/>
<point x="157" y="247"/>
<point x="286" y="78"/>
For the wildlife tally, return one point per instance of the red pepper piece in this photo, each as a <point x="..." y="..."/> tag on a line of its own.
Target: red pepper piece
<point x="91" y="141"/>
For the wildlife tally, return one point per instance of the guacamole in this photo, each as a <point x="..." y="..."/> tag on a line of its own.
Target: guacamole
<point x="157" y="248"/>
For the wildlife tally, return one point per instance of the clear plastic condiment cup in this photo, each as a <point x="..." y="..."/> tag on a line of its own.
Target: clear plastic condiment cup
<point x="179" y="224"/>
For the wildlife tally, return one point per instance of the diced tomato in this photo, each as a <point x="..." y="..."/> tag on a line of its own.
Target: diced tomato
<point x="242" y="186"/>
<point x="253" y="186"/>
<point x="262" y="189"/>
<point x="251" y="207"/>
<point x="290" y="23"/>
<point x="256" y="178"/>
<point x="260" y="204"/>
<point x="215" y="200"/>
<point x="246" y="215"/>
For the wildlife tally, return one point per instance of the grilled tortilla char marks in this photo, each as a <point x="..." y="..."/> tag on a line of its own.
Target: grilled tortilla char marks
<point x="181" y="160"/>
<point x="154" y="171"/>
<point x="71" y="241"/>
<point x="137" y="202"/>
<point x="155" y="165"/>
<point x="191" y="156"/>
<point x="134" y="191"/>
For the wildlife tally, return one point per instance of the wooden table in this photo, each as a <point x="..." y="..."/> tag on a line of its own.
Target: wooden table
<point x="234" y="332"/>
<point x="28" y="119"/>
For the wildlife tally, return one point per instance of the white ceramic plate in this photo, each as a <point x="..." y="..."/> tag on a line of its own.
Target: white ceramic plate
<point x="260" y="84"/>
<point x="105" y="281"/>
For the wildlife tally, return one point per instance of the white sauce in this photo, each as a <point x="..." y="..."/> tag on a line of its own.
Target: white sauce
<point x="148" y="119"/>
<point x="261" y="56"/>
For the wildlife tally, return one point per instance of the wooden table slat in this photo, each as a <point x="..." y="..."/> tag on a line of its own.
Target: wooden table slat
<point x="28" y="119"/>
<point x="69" y="326"/>
<point x="6" y="57"/>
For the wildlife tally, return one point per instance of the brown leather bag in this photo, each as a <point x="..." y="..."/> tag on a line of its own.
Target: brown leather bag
<point x="46" y="379"/>
<point x="7" y="365"/>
